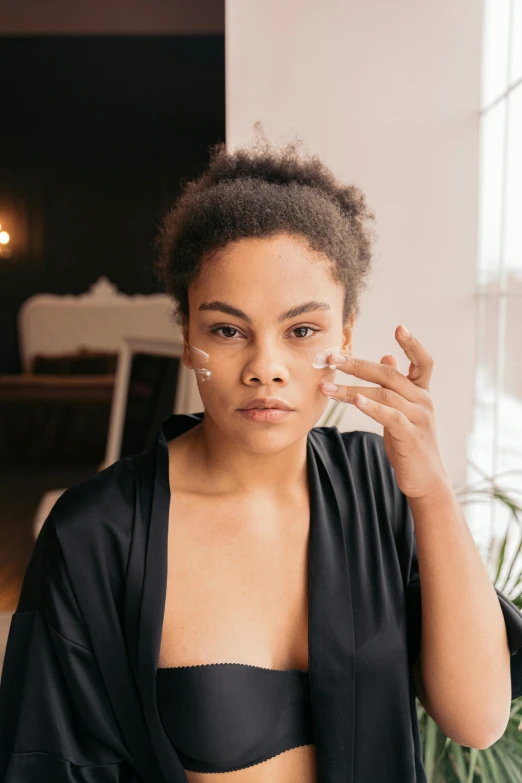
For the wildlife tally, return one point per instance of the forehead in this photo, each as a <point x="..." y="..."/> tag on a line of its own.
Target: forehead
<point x="264" y="263"/>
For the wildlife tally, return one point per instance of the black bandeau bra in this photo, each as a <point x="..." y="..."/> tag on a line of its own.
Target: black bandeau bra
<point x="222" y="717"/>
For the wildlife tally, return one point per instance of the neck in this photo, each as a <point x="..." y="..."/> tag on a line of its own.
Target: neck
<point x="223" y="468"/>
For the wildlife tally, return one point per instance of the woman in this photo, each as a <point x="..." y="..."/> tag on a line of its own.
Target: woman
<point x="243" y="598"/>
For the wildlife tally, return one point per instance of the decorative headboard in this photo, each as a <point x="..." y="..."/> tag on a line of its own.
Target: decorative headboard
<point x="98" y="320"/>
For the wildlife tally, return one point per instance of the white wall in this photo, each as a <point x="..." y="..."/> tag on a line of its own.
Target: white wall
<point x="388" y="94"/>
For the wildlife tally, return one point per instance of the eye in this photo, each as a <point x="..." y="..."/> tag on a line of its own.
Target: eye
<point x="219" y="328"/>
<point x="306" y="336"/>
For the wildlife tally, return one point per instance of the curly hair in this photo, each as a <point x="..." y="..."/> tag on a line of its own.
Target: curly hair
<point x="261" y="192"/>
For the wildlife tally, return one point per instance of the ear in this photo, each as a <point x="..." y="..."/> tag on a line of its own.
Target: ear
<point x="186" y="356"/>
<point x="347" y="336"/>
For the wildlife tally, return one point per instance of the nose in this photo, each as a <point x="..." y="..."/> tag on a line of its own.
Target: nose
<point x="264" y="367"/>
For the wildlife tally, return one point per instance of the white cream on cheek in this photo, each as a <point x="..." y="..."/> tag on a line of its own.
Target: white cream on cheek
<point x="201" y="359"/>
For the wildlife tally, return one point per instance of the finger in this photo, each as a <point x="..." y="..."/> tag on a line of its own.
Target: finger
<point x="392" y="418"/>
<point x="378" y="394"/>
<point x="421" y="363"/>
<point x="391" y="360"/>
<point x="384" y="374"/>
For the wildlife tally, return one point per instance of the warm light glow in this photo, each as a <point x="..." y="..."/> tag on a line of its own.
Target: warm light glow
<point x="4" y="237"/>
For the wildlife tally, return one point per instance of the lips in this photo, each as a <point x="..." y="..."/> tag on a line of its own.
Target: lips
<point x="264" y="409"/>
<point x="268" y="403"/>
<point x="266" y="415"/>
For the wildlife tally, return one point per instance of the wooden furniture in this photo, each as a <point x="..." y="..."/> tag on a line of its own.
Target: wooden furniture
<point x="58" y="409"/>
<point x="179" y="400"/>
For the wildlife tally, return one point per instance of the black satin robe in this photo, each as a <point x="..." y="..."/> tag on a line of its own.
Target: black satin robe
<point x="77" y="696"/>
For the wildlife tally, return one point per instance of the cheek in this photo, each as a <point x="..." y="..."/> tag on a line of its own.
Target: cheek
<point x="221" y="372"/>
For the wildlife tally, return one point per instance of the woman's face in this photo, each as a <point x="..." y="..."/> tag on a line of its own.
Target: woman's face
<point x="240" y="319"/>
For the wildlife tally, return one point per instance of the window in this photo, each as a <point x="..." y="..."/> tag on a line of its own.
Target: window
<point x="496" y="443"/>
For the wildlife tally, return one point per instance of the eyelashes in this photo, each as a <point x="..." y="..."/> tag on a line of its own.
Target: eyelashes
<point x="297" y="328"/>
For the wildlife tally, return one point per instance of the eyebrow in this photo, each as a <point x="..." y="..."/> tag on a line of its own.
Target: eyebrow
<point x="224" y="307"/>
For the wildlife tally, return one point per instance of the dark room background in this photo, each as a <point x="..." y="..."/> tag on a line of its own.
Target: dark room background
<point x="97" y="133"/>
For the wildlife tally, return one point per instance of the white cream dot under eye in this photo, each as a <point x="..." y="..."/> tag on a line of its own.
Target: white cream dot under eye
<point x="201" y="358"/>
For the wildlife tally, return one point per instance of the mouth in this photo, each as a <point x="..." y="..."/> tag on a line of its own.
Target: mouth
<point x="268" y="404"/>
<point x="274" y="408"/>
<point x="266" y="415"/>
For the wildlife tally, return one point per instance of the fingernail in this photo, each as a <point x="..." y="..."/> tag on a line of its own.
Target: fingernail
<point x="405" y="331"/>
<point x="330" y="387"/>
<point x="338" y="357"/>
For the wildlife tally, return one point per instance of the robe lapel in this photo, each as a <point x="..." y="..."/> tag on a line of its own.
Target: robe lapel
<point x="148" y="574"/>
<point x="331" y="655"/>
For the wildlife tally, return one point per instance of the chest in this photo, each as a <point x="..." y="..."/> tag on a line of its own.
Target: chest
<point x="237" y="582"/>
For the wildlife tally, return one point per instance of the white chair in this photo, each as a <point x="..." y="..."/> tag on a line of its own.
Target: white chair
<point x="186" y="400"/>
<point x="105" y="319"/>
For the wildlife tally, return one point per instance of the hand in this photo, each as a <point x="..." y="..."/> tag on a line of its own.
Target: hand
<point x="404" y="407"/>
